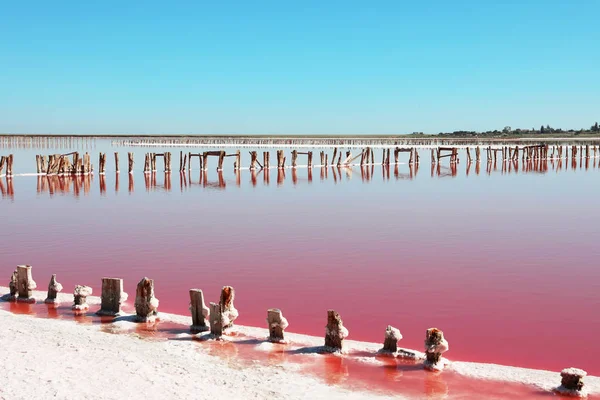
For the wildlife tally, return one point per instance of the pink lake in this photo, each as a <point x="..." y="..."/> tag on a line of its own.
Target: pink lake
<point x="501" y="255"/>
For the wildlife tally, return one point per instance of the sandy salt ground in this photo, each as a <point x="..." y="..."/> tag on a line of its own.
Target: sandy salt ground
<point x="62" y="359"/>
<point x="54" y="359"/>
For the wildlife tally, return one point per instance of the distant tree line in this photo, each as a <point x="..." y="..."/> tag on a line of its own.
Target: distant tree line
<point x="508" y="131"/>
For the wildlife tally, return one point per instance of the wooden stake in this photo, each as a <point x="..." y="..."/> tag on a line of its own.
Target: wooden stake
<point x="130" y="159"/>
<point x="117" y="162"/>
<point x="310" y="155"/>
<point x="2" y="162"/>
<point x="199" y="311"/>
<point x="267" y="162"/>
<point x="294" y="158"/>
<point x="335" y="332"/>
<point x="53" y="289"/>
<point x="392" y="336"/>
<point x="80" y="295"/>
<point x="277" y="324"/>
<point x="112" y="297"/>
<point x="227" y="309"/>
<point x="146" y="305"/>
<point x="216" y="320"/>
<point x="25" y="284"/>
<point x="238" y="160"/>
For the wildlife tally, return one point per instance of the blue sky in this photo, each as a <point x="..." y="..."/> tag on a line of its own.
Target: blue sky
<point x="334" y="67"/>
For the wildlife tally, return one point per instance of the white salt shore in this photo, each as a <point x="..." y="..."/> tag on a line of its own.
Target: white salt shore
<point x="57" y="358"/>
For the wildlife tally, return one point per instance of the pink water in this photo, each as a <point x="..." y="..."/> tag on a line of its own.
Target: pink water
<point x="503" y="261"/>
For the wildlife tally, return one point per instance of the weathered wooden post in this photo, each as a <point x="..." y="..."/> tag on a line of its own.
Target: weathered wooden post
<point x="185" y="157"/>
<point x="435" y="345"/>
<point x="572" y="382"/>
<point x="266" y="160"/>
<point x="410" y="158"/>
<point x="147" y="163"/>
<point x="117" y="162"/>
<point x="277" y="324"/>
<point x="587" y="151"/>
<point x="200" y="312"/>
<point x="25" y="284"/>
<point x="44" y="165"/>
<point x="101" y="161"/>
<point x="2" y="163"/>
<point x="13" y="286"/>
<point x="469" y="160"/>
<point x="368" y="155"/>
<point x="294" y="158"/>
<point x="112" y="297"/>
<point x="54" y="288"/>
<point x="80" y="295"/>
<point x="322" y="154"/>
<point x="227" y="309"/>
<point x="238" y="160"/>
<point x="181" y="167"/>
<point x="335" y="332"/>
<point x="37" y="164"/>
<point x="130" y="159"/>
<point x="204" y="163"/>
<point x="387" y="158"/>
<point x="382" y="156"/>
<point x="326" y="160"/>
<point x="390" y="343"/>
<point x="334" y="155"/>
<point x="216" y="320"/>
<point x="397" y="153"/>
<point x="253" y="156"/>
<point x="372" y="156"/>
<point x="9" y="165"/>
<point x="146" y="305"/>
<point x="221" y="159"/>
<point x="167" y="161"/>
<point x="477" y="154"/>
<point x="310" y="153"/>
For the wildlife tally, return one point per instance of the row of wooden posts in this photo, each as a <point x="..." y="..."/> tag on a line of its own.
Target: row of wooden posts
<point x="61" y="164"/>
<point x="221" y="316"/>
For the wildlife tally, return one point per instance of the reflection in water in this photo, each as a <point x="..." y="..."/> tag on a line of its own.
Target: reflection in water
<point x="70" y="183"/>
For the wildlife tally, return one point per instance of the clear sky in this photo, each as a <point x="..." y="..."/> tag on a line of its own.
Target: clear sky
<point x="306" y="67"/>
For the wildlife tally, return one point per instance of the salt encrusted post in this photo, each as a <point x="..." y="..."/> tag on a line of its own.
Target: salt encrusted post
<point x="294" y="158"/>
<point x="13" y="286"/>
<point x="238" y="160"/>
<point x="572" y="382"/>
<point x="112" y="297"/>
<point x="277" y="324"/>
<point x="221" y="158"/>
<point x="216" y="320"/>
<point x="80" y="295"/>
<point x="310" y="155"/>
<point x="53" y="289"/>
<point x="435" y="345"/>
<point x="25" y="284"/>
<point x="117" y="162"/>
<point x="200" y="312"/>
<point x="266" y="161"/>
<point x="145" y="302"/>
<point x="335" y="332"/>
<point x="227" y="308"/>
<point x="392" y="336"/>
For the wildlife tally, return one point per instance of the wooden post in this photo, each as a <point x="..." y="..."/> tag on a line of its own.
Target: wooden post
<point x="146" y="305"/>
<point x="227" y="309"/>
<point x="9" y="165"/>
<point x="339" y="161"/>
<point x="572" y="382"/>
<point x="435" y="345"/>
<point x="368" y="156"/>
<point x="25" y="284"/>
<point x="362" y="157"/>
<point x="322" y="154"/>
<point x="80" y="295"/>
<point x="372" y="156"/>
<point x="184" y="162"/>
<point x="326" y="160"/>
<point x="13" y="287"/>
<point x="117" y="162"/>
<point x="397" y="152"/>
<point x="204" y="162"/>
<point x="392" y="336"/>
<point x="477" y="154"/>
<point x="2" y="162"/>
<point x="587" y="151"/>
<point x="432" y="156"/>
<point x="112" y="297"/>
<point x="199" y="311"/>
<point x="147" y="163"/>
<point x="181" y="167"/>
<point x="310" y="153"/>
<point x="168" y="161"/>
<point x="37" y="163"/>
<point x="410" y="159"/>
<point x="334" y="155"/>
<point x="238" y="160"/>
<point x="277" y="324"/>
<point x="335" y="332"/>
<point x="53" y="289"/>
<point x="44" y="163"/>
<point x="253" y="156"/>
<point x="216" y="320"/>
<point x="294" y="158"/>
<point x="130" y="159"/>
<point x="382" y="156"/>
<point x="267" y="162"/>
<point x="387" y="157"/>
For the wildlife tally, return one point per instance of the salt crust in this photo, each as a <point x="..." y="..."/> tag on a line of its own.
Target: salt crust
<point x="170" y="360"/>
